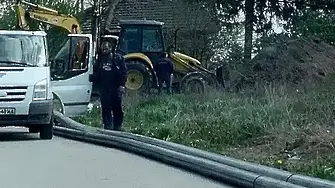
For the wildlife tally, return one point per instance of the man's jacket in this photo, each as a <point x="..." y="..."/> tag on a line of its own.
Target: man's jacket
<point x="164" y="68"/>
<point x="110" y="72"/>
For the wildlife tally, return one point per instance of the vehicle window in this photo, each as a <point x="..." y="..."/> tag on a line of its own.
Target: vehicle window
<point x="72" y="58"/>
<point x="10" y="52"/>
<point x="63" y="53"/>
<point x="130" y="40"/>
<point x="152" y="40"/>
<point x="23" y="50"/>
<point x="79" y="59"/>
<point x="61" y="60"/>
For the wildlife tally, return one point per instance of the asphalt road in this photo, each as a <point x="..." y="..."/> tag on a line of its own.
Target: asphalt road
<point x="28" y="162"/>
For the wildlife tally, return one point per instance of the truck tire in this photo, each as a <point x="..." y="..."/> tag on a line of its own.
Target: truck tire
<point x="193" y="84"/>
<point x="139" y="77"/>
<point x="57" y="106"/>
<point x="46" y="131"/>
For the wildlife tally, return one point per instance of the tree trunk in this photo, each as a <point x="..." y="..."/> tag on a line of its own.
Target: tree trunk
<point x="249" y="22"/>
<point x="82" y="5"/>
<point x="110" y="12"/>
<point x="77" y="6"/>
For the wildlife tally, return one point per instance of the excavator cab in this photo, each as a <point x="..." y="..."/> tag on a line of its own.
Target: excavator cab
<point x="142" y="36"/>
<point x="142" y="44"/>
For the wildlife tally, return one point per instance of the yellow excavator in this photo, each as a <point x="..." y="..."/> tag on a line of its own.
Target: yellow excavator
<point x="45" y="15"/>
<point x="141" y="41"/>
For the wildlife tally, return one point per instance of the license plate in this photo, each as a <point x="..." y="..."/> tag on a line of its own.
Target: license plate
<point x="7" y="111"/>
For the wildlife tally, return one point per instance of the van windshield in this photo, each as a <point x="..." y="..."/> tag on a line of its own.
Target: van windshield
<point x="22" y="50"/>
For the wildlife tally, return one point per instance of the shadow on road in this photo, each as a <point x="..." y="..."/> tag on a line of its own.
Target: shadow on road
<point x="14" y="135"/>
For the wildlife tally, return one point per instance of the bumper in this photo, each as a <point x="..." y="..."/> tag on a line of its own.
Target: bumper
<point x="40" y="112"/>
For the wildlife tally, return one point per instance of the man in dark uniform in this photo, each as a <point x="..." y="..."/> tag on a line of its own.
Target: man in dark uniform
<point x="111" y="74"/>
<point x="164" y="70"/>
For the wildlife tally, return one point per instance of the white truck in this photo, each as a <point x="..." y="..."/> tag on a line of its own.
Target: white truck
<point x="30" y="83"/>
<point x="25" y="82"/>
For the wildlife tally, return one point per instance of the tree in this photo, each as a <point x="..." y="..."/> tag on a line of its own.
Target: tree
<point x="313" y="24"/>
<point x="259" y="14"/>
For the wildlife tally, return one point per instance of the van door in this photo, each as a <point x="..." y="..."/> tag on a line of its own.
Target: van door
<point x="70" y="70"/>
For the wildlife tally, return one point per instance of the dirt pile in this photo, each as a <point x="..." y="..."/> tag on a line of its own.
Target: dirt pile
<point x="294" y="61"/>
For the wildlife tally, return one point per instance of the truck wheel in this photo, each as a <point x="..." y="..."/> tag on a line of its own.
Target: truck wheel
<point x="139" y="77"/>
<point x="57" y="106"/>
<point x="193" y="84"/>
<point x="33" y="129"/>
<point x="46" y="131"/>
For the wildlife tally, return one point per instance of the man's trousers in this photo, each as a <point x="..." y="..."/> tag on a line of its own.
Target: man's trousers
<point x="112" y="104"/>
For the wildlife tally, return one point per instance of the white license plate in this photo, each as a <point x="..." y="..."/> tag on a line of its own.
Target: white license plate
<point x="7" y="111"/>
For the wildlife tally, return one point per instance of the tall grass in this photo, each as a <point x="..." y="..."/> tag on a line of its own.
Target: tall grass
<point x="259" y="124"/>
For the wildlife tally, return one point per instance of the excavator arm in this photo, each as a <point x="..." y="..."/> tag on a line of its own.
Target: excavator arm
<point x="46" y="15"/>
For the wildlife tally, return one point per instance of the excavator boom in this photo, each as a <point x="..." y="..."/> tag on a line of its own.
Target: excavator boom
<point x="45" y="15"/>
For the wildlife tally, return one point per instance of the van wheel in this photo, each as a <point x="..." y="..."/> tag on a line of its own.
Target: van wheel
<point x="46" y="131"/>
<point x="33" y="130"/>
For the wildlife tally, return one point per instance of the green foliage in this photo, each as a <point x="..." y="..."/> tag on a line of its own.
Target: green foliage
<point x="313" y="24"/>
<point x="228" y="46"/>
<point x="270" y="40"/>
<point x="230" y="9"/>
<point x="324" y="169"/>
<point x="260" y="15"/>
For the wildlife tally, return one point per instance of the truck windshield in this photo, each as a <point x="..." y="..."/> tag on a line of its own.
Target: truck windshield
<point x="22" y="50"/>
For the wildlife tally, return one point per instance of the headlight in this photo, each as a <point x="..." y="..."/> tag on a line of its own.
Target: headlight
<point x="40" y="90"/>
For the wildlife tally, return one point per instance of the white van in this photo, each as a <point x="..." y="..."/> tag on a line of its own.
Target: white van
<point x="25" y="83"/>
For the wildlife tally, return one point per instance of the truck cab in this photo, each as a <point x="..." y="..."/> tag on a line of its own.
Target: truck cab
<point x="26" y="97"/>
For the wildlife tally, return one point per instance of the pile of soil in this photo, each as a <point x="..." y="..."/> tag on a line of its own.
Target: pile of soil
<point x="294" y="61"/>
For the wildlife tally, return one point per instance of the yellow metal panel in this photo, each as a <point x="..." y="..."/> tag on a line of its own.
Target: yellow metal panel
<point x="62" y="21"/>
<point x="181" y="65"/>
<point x="20" y="12"/>
<point x="45" y="15"/>
<point x="186" y="58"/>
<point x="139" y="56"/>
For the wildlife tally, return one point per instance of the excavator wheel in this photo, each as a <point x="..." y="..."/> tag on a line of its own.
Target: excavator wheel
<point x="139" y="77"/>
<point x="193" y="83"/>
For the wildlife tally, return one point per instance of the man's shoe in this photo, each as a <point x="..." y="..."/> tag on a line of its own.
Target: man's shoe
<point x="108" y="127"/>
<point x="117" y="128"/>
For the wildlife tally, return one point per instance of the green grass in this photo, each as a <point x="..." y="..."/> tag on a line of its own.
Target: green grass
<point x="274" y="126"/>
